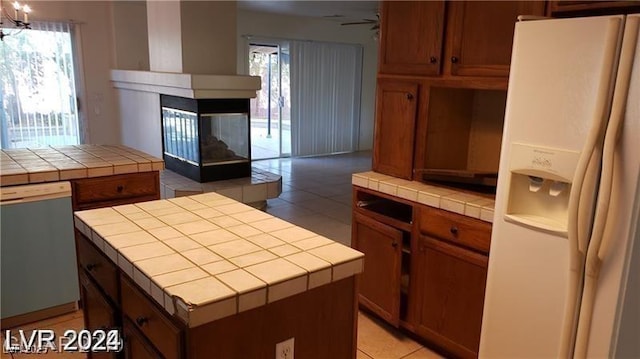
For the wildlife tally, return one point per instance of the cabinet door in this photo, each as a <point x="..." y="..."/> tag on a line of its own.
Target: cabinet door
<point x="591" y="8"/>
<point x="396" y="109"/>
<point x="481" y="35"/>
<point x="380" y="282"/>
<point x="411" y="37"/>
<point x="97" y="312"/>
<point x="136" y="346"/>
<point x="449" y="289"/>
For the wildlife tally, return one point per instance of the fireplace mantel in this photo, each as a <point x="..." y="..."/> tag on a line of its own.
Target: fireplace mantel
<point x="193" y="86"/>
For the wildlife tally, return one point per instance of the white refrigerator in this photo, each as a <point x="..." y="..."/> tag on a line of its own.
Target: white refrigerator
<point x="564" y="264"/>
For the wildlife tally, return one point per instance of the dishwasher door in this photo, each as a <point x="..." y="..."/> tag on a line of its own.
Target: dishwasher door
<point x="37" y="249"/>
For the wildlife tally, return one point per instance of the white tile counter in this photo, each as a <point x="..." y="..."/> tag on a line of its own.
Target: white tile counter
<point x="464" y="203"/>
<point x="61" y="163"/>
<point x="206" y="256"/>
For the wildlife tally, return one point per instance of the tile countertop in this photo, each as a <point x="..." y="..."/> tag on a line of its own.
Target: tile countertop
<point x="61" y="163"/>
<point x="464" y="203"/>
<point x="206" y="256"/>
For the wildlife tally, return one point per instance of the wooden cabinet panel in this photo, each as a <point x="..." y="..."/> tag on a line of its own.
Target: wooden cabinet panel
<point x="150" y="321"/>
<point x="455" y="228"/>
<point x="136" y="346"/>
<point x="591" y="8"/>
<point x="98" y="312"/>
<point x="98" y="267"/>
<point x="380" y="281"/>
<point x="481" y="35"/>
<point x="114" y="190"/>
<point x="396" y="110"/>
<point x="450" y="295"/>
<point x="411" y="37"/>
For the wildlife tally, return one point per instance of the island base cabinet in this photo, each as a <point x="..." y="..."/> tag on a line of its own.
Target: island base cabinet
<point x="98" y="313"/>
<point x="135" y="345"/>
<point x="450" y="297"/>
<point x="320" y="320"/>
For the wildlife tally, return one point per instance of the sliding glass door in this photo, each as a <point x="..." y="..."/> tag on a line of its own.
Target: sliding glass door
<point x="271" y="109"/>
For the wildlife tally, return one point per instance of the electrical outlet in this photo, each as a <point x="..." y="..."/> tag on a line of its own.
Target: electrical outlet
<point x="284" y="350"/>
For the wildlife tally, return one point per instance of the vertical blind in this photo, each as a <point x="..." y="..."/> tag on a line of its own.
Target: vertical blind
<point x="37" y="83"/>
<point x="325" y="97"/>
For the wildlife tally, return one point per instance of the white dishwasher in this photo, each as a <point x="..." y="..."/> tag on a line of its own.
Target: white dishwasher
<point x="37" y="251"/>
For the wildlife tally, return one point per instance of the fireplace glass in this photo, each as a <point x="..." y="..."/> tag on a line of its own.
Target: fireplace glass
<point x="206" y="139"/>
<point x="221" y="139"/>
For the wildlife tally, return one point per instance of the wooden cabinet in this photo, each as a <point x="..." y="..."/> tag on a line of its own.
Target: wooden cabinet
<point x="425" y="268"/>
<point x="449" y="295"/>
<point x="396" y="111"/>
<point x="591" y="8"/>
<point x="321" y="319"/>
<point x="380" y="281"/>
<point x="95" y="192"/>
<point x="411" y="34"/>
<point x="451" y="270"/>
<point x="150" y="321"/>
<point x="481" y="35"/>
<point x="136" y="346"/>
<point x="477" y="40"/>
<point x="98" y="312"/>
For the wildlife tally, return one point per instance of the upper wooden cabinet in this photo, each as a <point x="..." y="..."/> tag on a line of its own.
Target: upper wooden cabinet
<point x="411" y="37"/>
<point x="480" y="35"/>
<point x="591" y="8"/>
<point x="396" y="111"/>
<point x="477" y="40"/>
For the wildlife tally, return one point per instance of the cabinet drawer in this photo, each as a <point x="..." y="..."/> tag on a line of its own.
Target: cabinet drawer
<point x="98" y="267"/>
<point x="150" y="321"/>
<point x="455" y="228"/>
<point x="113" y="190"/>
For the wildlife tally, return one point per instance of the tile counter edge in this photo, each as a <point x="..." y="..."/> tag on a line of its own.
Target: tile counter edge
<point x="464" y="203"/>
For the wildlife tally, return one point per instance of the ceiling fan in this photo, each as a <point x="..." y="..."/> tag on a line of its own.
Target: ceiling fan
<point x="374" y="22"/>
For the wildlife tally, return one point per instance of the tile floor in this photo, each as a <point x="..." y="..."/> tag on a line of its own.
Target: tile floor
<point x="316" y="195"/>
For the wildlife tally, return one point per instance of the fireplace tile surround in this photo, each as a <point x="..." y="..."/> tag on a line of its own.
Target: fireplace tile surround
<point x="253" y="190"/>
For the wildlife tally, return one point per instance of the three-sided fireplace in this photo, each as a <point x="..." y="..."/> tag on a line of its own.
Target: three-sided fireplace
<point x="206" y="139"/>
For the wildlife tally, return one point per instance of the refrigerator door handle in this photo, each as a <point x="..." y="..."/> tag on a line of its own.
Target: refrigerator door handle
<point x="598" y="244"/>
<point x="577" y="235"/>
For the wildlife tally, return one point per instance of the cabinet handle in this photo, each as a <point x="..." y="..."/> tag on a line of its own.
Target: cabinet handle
<point x="120" y="188"/>
<point x="433" y="59"/>
<point x="90" y="267"/>
<point x="141" y="321"/>
<point x="409" y="96"/>
<point x="454" y="230"/>
<point x="394" y="244"/>
<point x="454" y="59"/>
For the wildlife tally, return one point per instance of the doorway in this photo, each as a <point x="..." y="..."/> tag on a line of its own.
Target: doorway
<point x="271" y="108"/>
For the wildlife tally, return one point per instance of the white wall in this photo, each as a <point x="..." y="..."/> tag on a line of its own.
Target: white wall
<point x="97" y="98"/>
<point x="306" y="28"/>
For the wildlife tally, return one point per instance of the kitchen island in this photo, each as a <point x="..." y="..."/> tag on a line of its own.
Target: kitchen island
<point x="208" y="277"/>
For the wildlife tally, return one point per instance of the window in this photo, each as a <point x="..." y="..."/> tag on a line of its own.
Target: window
<point x="37" y="88"/>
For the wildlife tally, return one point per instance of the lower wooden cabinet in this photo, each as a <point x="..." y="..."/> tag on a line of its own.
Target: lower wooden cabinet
<point x="380" y="281"/>
<point x="98" y="311"/>
<point x="96" y="192"/>
<point x="136" y="346"/>
<point x="150" y="321"/>
<point x="425" y="269"/>
<point x="449" y="295"/>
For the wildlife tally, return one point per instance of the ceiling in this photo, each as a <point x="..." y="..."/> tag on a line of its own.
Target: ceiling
<point x="340" y="11"/>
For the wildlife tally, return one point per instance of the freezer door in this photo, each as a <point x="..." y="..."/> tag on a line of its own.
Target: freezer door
<point x="559" y="98"/>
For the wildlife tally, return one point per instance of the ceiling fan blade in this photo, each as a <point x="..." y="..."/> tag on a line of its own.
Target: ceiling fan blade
<point x="359" y="23"/>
